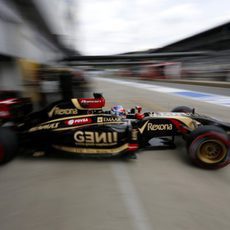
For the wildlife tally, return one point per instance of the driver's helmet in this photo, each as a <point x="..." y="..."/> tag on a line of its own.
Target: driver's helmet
<point x="118" y="110"/>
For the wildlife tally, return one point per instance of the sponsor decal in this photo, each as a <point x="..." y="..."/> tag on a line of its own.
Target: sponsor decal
<point x="89" y="103"/>
<point x="143" y="127"/>
<point x="134" y="134"/>
<point x="94" y="138"/>
<point x="58" y="111"/>
<point x="155" y="127"/>
<point x="108" y="119"/>
<point x="80" y="121"/>
<point x="167" y="114"/>
<point x="45" y="127"/>
<point x="84" y="101"/>
<point x="109" y="151"/>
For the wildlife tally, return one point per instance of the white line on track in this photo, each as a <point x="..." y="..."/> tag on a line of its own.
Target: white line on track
<point x="205" y="97"/>
<point x="130" y="197"/>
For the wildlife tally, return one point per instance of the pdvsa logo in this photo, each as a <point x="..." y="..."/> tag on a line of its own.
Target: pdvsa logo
<point x="80" y="121"/>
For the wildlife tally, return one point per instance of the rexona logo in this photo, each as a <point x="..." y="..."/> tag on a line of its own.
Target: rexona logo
<point x="154" y="127"/>
<point x="108" y="119"/>
<point x="80" y="121"/>
<point x="58" y="111"/>
<point x="95" y="137"/>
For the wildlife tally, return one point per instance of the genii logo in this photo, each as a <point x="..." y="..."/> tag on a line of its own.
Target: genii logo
<point x="95" y="137"/>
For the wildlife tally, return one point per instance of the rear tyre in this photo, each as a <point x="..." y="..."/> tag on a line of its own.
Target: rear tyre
<point x="8" y="144"/>
<point x="209" y="147"/>
<point x="183" y="109"/>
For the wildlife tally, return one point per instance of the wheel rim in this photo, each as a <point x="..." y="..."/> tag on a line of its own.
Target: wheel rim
<point x="212" y="151"/>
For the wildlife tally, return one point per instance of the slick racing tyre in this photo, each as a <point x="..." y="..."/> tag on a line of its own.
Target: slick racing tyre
<point x="209" y="147"/>
<point x="183" y="109"/>
<point x="8" y="144"/>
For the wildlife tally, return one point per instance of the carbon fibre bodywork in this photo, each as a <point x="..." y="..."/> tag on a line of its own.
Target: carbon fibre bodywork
<point x="81" y="126"/>
<point x="78" y="126"/>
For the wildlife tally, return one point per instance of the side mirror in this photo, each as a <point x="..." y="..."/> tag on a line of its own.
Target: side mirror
<point x="132" y="110"/>
<point x="97" y="95"/>
<point x="138" y="108"/>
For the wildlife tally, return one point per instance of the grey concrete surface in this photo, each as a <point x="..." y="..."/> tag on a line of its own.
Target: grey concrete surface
<point x="222" y="84"/>
<point x="160" y="190"/>
<point x="215" y="89"/>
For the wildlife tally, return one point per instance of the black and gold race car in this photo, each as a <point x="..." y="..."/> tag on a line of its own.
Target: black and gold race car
<point x="80" y="126"/>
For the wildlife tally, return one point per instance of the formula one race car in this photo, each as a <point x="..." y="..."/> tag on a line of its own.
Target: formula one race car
<point x="82" y="127"/>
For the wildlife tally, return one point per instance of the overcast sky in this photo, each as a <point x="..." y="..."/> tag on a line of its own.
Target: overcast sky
<point x="118" y="26"/>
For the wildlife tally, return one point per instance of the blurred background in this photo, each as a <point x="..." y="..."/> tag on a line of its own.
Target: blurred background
<point x="177" y="50"/>
<point x="45" y="45"/>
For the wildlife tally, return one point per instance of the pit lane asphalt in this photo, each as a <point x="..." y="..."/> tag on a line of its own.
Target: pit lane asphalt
<point x="159" y="190"/>
<point x="205" y="89"/>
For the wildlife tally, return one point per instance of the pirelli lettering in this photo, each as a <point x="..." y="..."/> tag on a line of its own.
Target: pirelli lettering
<point x="95" y="137"/>
<point x="156" y="127"/>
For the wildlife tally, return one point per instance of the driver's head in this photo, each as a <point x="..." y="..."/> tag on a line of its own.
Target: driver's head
<point x="118" y="110"/>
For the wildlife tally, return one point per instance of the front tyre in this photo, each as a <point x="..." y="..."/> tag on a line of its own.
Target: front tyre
<point x="209" y="147"/>
<point x="8" y="144"/>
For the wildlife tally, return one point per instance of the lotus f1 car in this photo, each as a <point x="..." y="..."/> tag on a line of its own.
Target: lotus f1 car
<point x="82" y="127"/>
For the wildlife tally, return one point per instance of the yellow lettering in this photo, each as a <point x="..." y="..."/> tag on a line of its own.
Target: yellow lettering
<point x="154" y="127"/>
<point x="79" y="136"/>
<point x="109" y="137"/>
<point x="100" y="137"/>
<point x="114" y="136"/>
<point x="89" y="137"/>
<point x="95" y="137"/>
